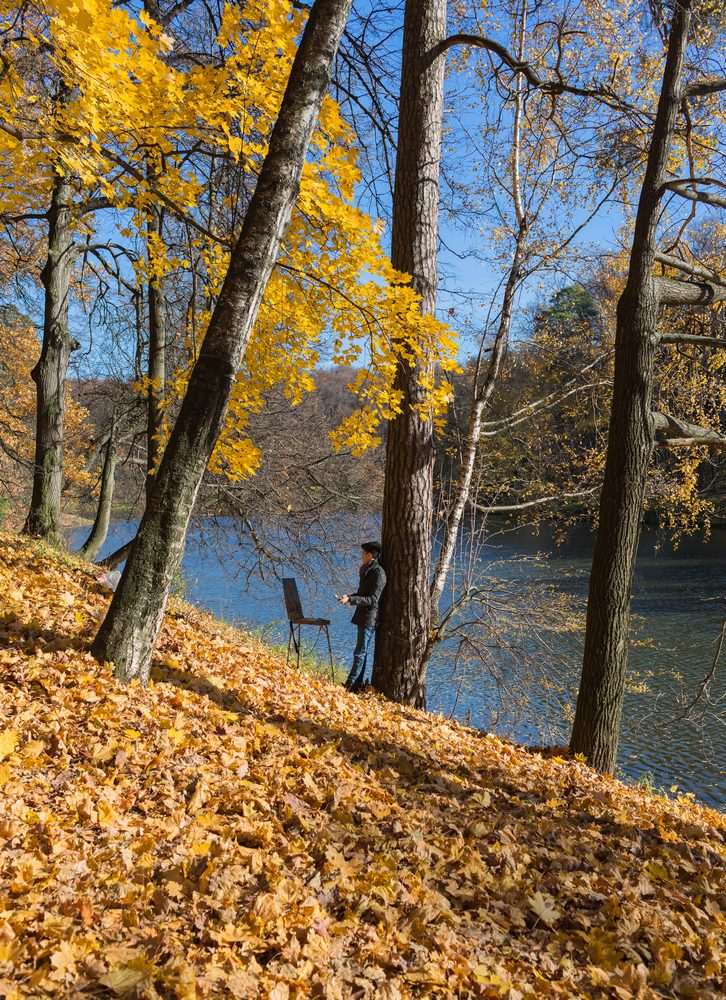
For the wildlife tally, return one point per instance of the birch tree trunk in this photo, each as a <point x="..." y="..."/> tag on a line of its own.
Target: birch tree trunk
<point x="399" y="667"/>
<point x="128" y="633"/>
<point x="51" y="372"/>
<point x="484" y="387"/>
<point x="596" y="726"/>
<point x="481" y="394"/>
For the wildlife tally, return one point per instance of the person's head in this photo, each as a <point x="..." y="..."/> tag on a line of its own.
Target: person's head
<point x="371" y="551"/>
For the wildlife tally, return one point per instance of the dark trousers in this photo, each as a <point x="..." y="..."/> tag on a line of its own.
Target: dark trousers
<point x="360" y="656"/>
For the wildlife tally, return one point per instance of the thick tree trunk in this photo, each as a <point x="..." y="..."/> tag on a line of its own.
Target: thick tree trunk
<point x="51" y="371"/>
<point x="630" y="441"/>
<point x="157" y="358"/>
<point x="399" y="669"/>
<point x="93" y="544"/>
<point x="129" y="631"/>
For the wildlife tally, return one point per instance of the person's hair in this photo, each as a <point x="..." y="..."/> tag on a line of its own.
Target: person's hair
<point x="373" y="547"/>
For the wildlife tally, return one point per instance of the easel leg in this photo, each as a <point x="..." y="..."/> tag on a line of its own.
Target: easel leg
<point x="330" y="654"/>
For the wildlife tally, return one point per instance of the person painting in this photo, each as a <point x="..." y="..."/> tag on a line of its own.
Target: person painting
<point x="366" y="601"/>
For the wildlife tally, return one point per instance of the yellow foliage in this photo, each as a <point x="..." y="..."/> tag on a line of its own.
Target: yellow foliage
<point x="334" y="289"/>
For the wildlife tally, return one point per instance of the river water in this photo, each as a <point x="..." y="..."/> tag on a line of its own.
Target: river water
<point x="678" y="599"/>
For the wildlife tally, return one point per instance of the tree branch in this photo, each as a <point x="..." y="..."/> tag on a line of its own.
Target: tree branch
<point x="692" y="338"/>
<point x="679" y="187"/>
<point x="512" y="508"/>
<point x="695" y="270"/>
<point x="704" y="87"/>
<point x="138" y="175"/>
<point x="11" y="220"/>
<point x="673" y="292"/>
<point x="668" y="430"/>
<point x="492" y="427"/>
<point x="600" y="93"/>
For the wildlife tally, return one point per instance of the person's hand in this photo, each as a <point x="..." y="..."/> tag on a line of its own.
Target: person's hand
<point x="345" y="599"/>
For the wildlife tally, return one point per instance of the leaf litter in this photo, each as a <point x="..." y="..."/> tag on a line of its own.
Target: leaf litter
<point x="240" y="830"/>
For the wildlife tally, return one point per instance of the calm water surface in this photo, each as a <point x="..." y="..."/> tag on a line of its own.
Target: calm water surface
<point x="679" y="598"/>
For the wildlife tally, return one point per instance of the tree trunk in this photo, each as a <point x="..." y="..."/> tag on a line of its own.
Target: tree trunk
<point x="114" y="559"/>
<point x="157" y="357"/>
<point x="93" y="544"/>
<point x="128" y="633"/>
<point x="399" y="668"/>
<point x="630" y="441"/>
<point x="51" y="371"/>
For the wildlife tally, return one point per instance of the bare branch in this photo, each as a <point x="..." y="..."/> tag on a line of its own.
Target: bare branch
<point x="493" y="427"/>
<point x="601" y="93"/>
<point x="703" y="687"/>
<point x="513" y="508"/>
<point x="11" y="220"/>
<point x="94" y="204"/>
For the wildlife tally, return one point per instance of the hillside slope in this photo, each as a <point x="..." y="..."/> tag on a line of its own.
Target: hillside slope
<point x="240" y="830"/>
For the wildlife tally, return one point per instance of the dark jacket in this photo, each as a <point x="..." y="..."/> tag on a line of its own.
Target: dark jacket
<point x="367" y="597"/>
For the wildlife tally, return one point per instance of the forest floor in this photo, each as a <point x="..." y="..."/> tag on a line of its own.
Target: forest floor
<point x="238" y="829"/>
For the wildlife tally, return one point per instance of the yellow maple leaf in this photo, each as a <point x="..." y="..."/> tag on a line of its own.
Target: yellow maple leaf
<point x="106" y="814"/>
<point x="122" y="980"/>
<point x="63" y="960"/>
<point x="544" y="907"/>
<point x="8" y="742"/>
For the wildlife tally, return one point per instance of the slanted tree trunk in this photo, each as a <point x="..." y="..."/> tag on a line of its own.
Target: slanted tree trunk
<point x="51" y="371"/>
<point x="630" y="441"/>
<point x="93" y="544"/>
<point x="129" y="631"/>
<point x="399" y="668"/>
<point x="114" y="559"/>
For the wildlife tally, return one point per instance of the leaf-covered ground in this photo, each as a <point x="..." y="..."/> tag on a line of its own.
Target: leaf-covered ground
<point x="240" y="830"/>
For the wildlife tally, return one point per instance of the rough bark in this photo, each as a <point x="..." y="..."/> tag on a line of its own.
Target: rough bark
<point x="51" y="372"/>
<point x="399" y="667"/>
<point x="672" y="292"/>
<point x="630" y="441"/>
<point x="129" y="631"/>
<point x="156" y="370"/>
<point x="93" y="544"/>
